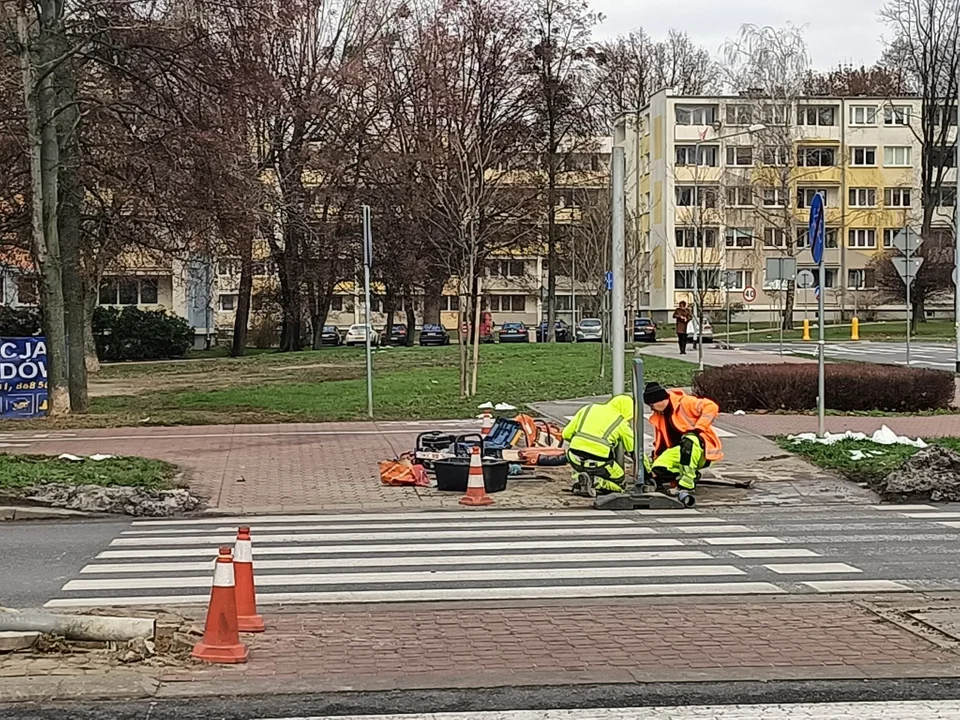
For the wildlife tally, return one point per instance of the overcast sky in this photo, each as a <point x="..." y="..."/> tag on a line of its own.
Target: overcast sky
<point x="836" y="30"/>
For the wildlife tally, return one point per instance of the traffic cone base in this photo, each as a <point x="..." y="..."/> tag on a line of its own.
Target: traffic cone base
<point x="221" y="636"/>
<point x="247" y="618"/>
<point x="476" y="495"/>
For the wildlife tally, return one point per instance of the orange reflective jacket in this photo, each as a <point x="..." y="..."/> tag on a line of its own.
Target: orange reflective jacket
<point x="689" y="413"/>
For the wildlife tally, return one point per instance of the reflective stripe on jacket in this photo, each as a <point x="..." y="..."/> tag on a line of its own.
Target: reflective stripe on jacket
<point x="597" y="429"/>
<point x="689" y="413"/>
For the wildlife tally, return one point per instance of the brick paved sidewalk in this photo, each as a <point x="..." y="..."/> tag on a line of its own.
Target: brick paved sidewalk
<point x="770" y="425"/>
<point x="383" y="648"/>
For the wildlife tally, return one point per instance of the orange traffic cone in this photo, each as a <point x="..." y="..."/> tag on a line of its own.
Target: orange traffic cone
<point x="487" y="423"/>
<point x="247" y="618"/>
<point x="221" y="636"/>
<point x="476" y="494"/>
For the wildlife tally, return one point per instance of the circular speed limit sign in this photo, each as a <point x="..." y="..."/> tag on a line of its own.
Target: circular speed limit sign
<point x="749" y="294"/>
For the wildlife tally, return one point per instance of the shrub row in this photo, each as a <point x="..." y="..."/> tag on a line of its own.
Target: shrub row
<point x="134" y="334"/>
<point x="848" y="387"/>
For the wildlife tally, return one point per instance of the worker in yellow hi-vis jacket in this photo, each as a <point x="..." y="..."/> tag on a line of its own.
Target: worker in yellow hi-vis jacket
<point x="593" y="438"/>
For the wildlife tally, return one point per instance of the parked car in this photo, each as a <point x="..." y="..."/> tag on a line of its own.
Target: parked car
<point x="357" y="335"/>
<point x="561" y="332"/>
<point x="331" y="336"/>
<point x="644" y="330"/>
<point x="434" y="335"/>
<point x="514" y="332"/>
<point x="397" y="336"/>
<point x="590" y="330"/>
<point x="693" y="335"/>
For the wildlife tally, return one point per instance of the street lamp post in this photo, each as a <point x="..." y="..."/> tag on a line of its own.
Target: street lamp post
<point x="699" y="241"/>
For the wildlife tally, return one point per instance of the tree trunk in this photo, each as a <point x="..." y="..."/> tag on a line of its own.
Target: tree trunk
<point x="92" y="360"/>
<point x="432" y="299"/>
<point x="786" y="322"/>
<point x="241" y="321"/>
<point x="411" y="317"/>
<point x="40" y="107"/>
<point x="550" y="335"/>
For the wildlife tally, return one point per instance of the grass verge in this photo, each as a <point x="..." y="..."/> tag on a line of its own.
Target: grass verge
<point x="18" y="471"/>
<point x="329" y="385"/>
<point x="879" y="460"/>
<point x="877" y="332"/>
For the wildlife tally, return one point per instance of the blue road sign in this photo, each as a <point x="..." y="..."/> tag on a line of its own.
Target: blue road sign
<point x="609" y="280"/>
<point x="817" y="228"/>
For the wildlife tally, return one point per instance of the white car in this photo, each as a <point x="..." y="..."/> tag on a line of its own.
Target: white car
<point x="357" y="335"/>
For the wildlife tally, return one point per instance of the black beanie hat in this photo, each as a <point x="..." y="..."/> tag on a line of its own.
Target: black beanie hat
<point x="654" y="392"/>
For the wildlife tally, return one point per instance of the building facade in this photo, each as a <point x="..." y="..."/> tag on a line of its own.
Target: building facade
<point x="717" y="185"/>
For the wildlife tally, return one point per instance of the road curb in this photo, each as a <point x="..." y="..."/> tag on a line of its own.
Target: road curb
<point x="11" y="513"/>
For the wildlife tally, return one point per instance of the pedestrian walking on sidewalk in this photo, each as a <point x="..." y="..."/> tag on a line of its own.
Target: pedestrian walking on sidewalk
<point x="682" y="315"/>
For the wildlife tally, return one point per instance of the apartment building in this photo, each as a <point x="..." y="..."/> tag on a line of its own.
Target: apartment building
<point x="723" y="183"/>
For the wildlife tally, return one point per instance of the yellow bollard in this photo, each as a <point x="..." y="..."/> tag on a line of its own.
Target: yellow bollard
<point x="806" y="329"/>
<point x="854" y="329"/>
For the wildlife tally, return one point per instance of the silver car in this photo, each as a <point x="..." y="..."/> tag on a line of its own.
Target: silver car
<point x="357" y="335"/>
<point x="693" y="335"/>
<point x="590" y="330"/>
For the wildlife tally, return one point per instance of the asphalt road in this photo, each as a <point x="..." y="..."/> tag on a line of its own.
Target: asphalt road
<point x="937" y="356"/>
<point x="38" y="557"/>
<point x="888" y="700"/>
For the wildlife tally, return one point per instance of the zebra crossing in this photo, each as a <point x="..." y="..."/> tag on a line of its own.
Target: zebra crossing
<point x="529" y="555"/>
<point x="932" y="355"/>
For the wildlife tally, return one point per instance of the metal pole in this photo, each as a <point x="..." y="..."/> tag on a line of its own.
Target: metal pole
<point x="573" y="286"/>
<point x="368" y="331"/>
<point x="728" y="312"/>
<point x="638" y="420"/>
<point x="617" y="250"/>
<point x="821" y="396"/>
<point x="907" y="279"/>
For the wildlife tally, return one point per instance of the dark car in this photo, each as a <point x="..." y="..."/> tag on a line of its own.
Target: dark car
<point x="331" y="336"/>
<point x="434" y="335"/>
<point x="644" y="330"/>
<point x="561" y="332"/>
<point x="397" y="336"/>
<point x="514" y="332"/>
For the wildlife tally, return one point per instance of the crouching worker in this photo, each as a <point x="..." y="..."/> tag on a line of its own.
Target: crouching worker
<point x="684" y="440"/>
<point x="595" y="436"/>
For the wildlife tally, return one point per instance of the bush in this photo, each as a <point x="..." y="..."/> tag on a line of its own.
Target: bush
<point x="848" y="387"/>
<point x="20" y="322"/>
<point x="135" y="334"/>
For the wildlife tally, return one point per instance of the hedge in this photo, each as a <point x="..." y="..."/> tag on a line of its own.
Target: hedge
<point x="20" y="322"/>
<point x="848" y="387"/>
<point x="135" y="334"/>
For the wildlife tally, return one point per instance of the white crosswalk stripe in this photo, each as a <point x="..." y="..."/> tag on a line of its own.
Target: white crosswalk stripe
<point x="457" y="556"/>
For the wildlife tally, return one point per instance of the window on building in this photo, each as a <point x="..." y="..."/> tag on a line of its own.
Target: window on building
<point x="775" y="155"/>
<point x="451" y="303"/>
<point x="336" y="303"/>
<point x="702" y="155"/>
<point x="738" y="279"/>
<point x="946" y="114"/>
<point x="863" y="156"/>
<point x="897" y="115"/>
<point x="861" y="279"/>
<point x="564" y="303"/>
<point x="862" y="238"/>
<point x="863" y="115"/>
<point x="774" y="237"/>
<point x="507" y="303"/>
<point x="740" y="196"/>
<point x="822" y="115"/>
<point x="684" y="279"/>
<point x="775" y="114"/>
<point x="943" y="157"/>
<point x="774" y="197"/>
<point x="28" y="290"/>
<point x="128" y="291"/>
<point x="946" y="197"/>
<point x="829" y="237"/>
<point x="805" y="197"/>
<point x="263" y="268"/>
<point x="228" y="302"/>
<point x="863" y="197"/>
<point x="739" y="238"/>
<point x="696" y="196"/>
<point x="816" y="157"/>
<point x="228" y="266"/>
<point x="898" y="156"/>
<point x="688" y="237"/>
<point x="896" y="197"/>
<point x="505" y="268"/>
<point x="739" y="115"/>
<point x="696" y="114"/>
<point x="888" y="235"/>
<point x="739" y="155"/>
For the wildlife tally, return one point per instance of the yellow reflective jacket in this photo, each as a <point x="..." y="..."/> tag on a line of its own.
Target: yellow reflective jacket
<point x="597" y="429"/>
